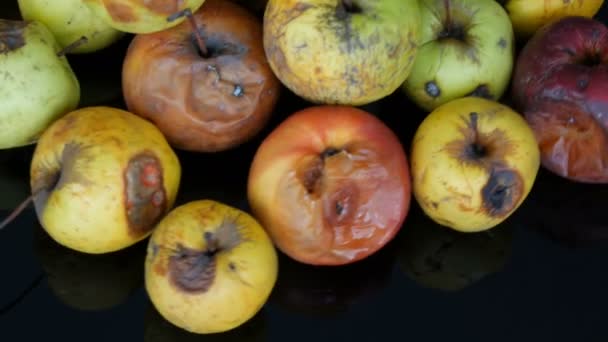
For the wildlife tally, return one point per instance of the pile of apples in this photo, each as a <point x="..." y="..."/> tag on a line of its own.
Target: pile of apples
<point x="507" y="87"/>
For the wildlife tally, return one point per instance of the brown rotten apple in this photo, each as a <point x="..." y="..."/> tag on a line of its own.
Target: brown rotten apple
<point x="205" y="82"/>
<point x="559" y="84"/>
<point x="330" y="184"/>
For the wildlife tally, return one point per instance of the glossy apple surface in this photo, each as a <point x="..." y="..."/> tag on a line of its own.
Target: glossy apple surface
<point x="203" y="102"/>
<point x="330" y="184"/>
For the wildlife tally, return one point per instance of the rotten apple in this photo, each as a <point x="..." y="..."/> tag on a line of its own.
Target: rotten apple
<point x="331" y="185"/>
<point x="559" y="84"/>
<point x="205" y="83"/>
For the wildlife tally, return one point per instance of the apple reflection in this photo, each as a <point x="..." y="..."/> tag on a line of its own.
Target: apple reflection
<point x="441" y="258"/>
<point x="158" y="329"/>
<point x="330" y="290"/>
<point x="89" y="282"/>
<point x="567" y="212"/>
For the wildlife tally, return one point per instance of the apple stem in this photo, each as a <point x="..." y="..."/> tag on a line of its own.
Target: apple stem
<point x="197" y="34"/>
<point x="17" y="211"/>
<point x="448" y="17"/>
<point x="82" y="40"/>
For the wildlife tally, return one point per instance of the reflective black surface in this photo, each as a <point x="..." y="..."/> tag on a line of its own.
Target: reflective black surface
<point x="539" y="276"/>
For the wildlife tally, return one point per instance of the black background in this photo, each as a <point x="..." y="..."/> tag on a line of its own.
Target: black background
<point x="546" y="280"/>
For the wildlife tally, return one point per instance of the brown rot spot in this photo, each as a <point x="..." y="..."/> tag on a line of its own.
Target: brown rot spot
<point x="502" y="192"/>
<point x="232" y="266"/>
<point x="11" y="35"/>
<point x="311" y="172"/>
<point x="193" y="271"/>
<point x="483" y="91"/>
<point x="120" y="11"/>
<point x="346" y="8"/>
<point x="144" y="193"/>
<point x="432" y="89"/>
<point x="502" y="42"/>
<point x="341" y="204"/>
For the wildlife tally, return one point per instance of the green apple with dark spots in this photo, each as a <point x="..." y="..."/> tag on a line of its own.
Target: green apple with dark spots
<point x="348" y="52"/>
<point x="466" y="48"/>
<point x="37" y="83"/>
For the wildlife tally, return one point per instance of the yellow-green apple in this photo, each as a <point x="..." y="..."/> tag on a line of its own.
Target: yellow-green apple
<point x="330" y="184"/>
<point x="473" y="163"/>
<point x="69" y="21"/>
<point x="102" y="178"/>
<point x="158" y="329"/>
<point x="205" y="83"/>
<point x="466" y="48"/>
<point x="38" y="84"/>
<point x="441" y="258"/>
<point x="527" y="16"/>
<point x="559" y="84"/>
<point x="141" y="16"/>
<point x="210" y="267"/>
<point x="349" y="52"/>
<point x="89" y="282"/>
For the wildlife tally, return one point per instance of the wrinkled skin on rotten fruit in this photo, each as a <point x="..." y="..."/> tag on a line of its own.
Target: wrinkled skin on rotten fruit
<point x="330" y="184"/>
<point x="559" y="84"/>
<point x="203" y="102"/>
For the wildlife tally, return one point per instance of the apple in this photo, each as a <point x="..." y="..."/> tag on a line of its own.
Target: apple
<point x="466" y="49"/>
<point x="158" y="329"/>
<point x="101" y="178"/>
<point x="210" y="267"/>
<point x="342" y="52"/>
<point x="473" y="163"/>
<point x="69" y="20"/>
<point x="559" y="84"/>
<point x="444" y="259"/>
<point x="205" y="83"/>
<point x="88" y="282"/>
<point x="527" y="16"/>
<point x="330" y="184"/>
<point x="38" y="85"/>
<point x="141" y="16"/>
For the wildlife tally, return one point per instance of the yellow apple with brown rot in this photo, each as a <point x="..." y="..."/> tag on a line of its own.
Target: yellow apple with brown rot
<point x="473" y="163"/>
<point x="331" y="185"/>
<point x="101" y="179"/>
<point x="210" y="267"/>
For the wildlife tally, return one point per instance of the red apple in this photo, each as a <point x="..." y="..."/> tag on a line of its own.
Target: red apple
<point x="330" y="184"/>
<point x="208" y="89"/>
<point x="560" y="84"/>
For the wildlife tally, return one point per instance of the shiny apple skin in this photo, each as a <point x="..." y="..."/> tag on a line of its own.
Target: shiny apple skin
<point x="192" y="99"/>
<point x="359" y="197"/>
<point x="564" y="100"/>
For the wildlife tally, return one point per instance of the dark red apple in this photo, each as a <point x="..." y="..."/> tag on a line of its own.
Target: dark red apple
<point x="208" y="89"/>
<point x="560" y="84"/>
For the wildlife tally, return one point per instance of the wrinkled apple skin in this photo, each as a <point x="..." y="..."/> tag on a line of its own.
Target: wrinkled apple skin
<point x="192" y="99"/>
<point x="330" y="57"/>
<point x="141" y="16"/>
<point x="330" y="184"/>
<point x="559" y="84"/>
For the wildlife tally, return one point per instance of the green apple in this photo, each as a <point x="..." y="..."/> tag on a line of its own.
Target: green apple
<point x="38" y="85"/>
<point x="69" y="20"/>
<point x="467" y="48"/>
<point x="349" y="52"/>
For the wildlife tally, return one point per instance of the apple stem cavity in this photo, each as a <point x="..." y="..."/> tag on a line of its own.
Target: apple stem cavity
<point x="200" y="42"/>
<point x="80" y="41"/>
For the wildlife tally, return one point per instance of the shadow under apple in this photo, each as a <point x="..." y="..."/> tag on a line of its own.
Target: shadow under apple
<point x="331" y="290"/>
<point x="89" y="282"/>
<point x="158" y="329"/>
<point x="14" y="176"/>
<point x="569" y="213"/>
<point x="444" y="259"/>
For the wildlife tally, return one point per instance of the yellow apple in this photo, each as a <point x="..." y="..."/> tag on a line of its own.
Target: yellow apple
<point x="527" y="16"/>
<point x="210" y="267"/>
<point x="473" y="162"/>
<point x="102" y="178"/>
<point x="142" y="16"/>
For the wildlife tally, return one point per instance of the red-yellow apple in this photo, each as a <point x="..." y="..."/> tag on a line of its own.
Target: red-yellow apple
<point x="207" y="90"/>
<point x="331" y="185"/>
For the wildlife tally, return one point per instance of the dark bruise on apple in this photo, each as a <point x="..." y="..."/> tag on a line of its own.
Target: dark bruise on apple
<point x="11" y="35"/>
<point x="208" y="89"/>
<point x="560" y="84"/>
